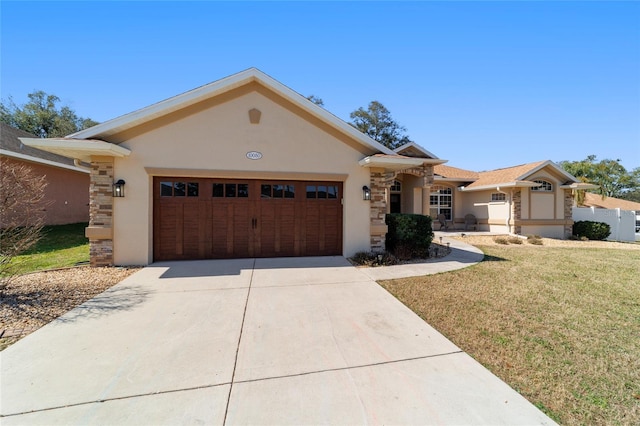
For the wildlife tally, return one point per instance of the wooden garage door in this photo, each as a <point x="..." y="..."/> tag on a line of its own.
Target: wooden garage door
<point x="219" y="218"/>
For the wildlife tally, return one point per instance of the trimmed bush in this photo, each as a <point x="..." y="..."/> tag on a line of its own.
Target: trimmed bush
<point x="597" y="231"/>
<point x="534" y="239"/>
<point x="409" y="235"/>
<point x="369" y="258"/>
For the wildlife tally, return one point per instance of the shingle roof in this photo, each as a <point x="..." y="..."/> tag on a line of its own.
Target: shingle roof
<point x="454" y="172"/>
<point x="509" y="174"/>
<point x="9" y="142"/>
<point x="595" y="200"/>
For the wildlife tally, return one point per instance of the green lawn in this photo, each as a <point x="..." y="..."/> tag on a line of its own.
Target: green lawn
<point x="60" y="246"/>
<point x="560" y="325"/>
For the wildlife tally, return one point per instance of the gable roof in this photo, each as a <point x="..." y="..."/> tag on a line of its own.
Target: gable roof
<point x="412" y="149"/>
<point x="516" y="176"/>
<point x="596" y="200"/>
<point x="167" y="106"/>
<point x="11" y="146"/>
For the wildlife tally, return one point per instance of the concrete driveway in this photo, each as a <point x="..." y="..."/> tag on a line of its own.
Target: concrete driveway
<point x="249" y="341"/>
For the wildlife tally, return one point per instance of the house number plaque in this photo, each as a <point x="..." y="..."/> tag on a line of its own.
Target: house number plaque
<point x="254" y="155"/>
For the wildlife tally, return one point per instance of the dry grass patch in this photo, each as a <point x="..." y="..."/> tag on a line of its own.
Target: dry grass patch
<point x="561" y="325"/>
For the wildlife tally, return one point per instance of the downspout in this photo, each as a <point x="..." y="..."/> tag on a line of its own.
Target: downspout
<point x="509" y="197"/>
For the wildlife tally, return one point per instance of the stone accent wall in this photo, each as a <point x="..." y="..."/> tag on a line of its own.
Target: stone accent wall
<point x="516" y="210"/>
<point x="568" y="213"/>
<point x="101" y="210"/>
<point x="428" y="176"/>
<point x="101" y="252"/>
<point x="378" y="210"/>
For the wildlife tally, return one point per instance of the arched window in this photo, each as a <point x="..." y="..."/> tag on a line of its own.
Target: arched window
<point x="545" y="186"/>
<point x="441" y="202"/>
<point x="397" y="186"/>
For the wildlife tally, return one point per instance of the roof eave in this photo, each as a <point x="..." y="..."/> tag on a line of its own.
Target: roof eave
<point x="31" y="159"/>
<point x="219" y="87"/>
<point x="497" y="186"/>
<point x="416" y="146"/>
<point x="579" y="186"/>
<point x="559" y="169"/>
<point x="81" y="150"/>
<point x="397" y="163"/>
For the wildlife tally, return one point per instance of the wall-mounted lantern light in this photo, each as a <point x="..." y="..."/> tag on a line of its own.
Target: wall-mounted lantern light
<point x="118" y="188"/>
<point x="366" y="193"/>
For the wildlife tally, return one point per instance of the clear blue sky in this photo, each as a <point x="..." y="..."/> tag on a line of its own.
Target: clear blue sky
<point x="482" y="84"/>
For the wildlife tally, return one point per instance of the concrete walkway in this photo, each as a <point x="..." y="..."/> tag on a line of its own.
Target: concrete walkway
<point x="250" y="341"/>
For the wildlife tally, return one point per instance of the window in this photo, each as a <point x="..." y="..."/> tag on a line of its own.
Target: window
<point x="441" y="202"/>
<point x="278" y="191"/>
<point x="322" y="192"/>
<point x="230" y="190"/>
<point x="397" y="186"/>
<point x="544" y="186"/>
<point x="498" y="196"/>
<point x="179" y="189"/>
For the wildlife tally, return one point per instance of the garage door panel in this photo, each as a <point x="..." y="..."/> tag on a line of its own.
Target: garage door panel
<point x="217" y="218"/>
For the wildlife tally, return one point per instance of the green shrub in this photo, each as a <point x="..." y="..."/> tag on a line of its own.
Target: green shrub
<point x="409" y="235"/>
<point x="592" y="230"/>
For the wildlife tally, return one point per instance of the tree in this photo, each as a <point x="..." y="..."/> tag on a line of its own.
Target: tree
<point x="316" y="100"/>
<point x="614" y="180"/>
<point x="21" y="213"/>
<point x="376" y="122"/>
<point x="43" y="117"/>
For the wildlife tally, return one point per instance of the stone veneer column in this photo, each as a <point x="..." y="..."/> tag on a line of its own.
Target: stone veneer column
<point x="516" y="211"/>
<point x="378" y="209"/>
<point x="427" y="182"/>
<point x="568" y="213"/>
<point x="100" y="230"/>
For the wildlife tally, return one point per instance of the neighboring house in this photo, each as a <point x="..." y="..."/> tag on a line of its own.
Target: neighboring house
<point x="600" y="202"/>
<point x="67" y="191"/>
<point x="612" y="210"/>
<point x="534" y="198"/>
<point x="247" y="167"/>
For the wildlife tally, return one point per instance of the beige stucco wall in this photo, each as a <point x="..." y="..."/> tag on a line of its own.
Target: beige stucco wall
<point x="543" y="205"/>
<point x="411" y="194"/>
<point x="213" y="143"/>
<point x="492" y="216"/>
<point x="548" y="231"/>
<point x="66" y="193"/>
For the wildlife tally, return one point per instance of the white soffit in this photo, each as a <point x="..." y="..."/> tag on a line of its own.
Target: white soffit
<point x="77" y="149"/>
<point x="580" y="186"/>
<point x="512" y="184"/>
<point x="397" y="162"/>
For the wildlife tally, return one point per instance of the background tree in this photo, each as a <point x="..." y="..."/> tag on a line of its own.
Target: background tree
<point x="614" y="180"/>
<point x="316" y="100"/>
<point x="376" y="122"/>
<point x="43" y="117"/>
<point x="21" y="213"/>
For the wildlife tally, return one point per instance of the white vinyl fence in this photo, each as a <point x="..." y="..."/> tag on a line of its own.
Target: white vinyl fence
<point x="622" y="222"/>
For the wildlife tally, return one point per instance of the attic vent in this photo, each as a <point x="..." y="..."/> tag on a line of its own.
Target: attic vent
<point x="254" y="116"/>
